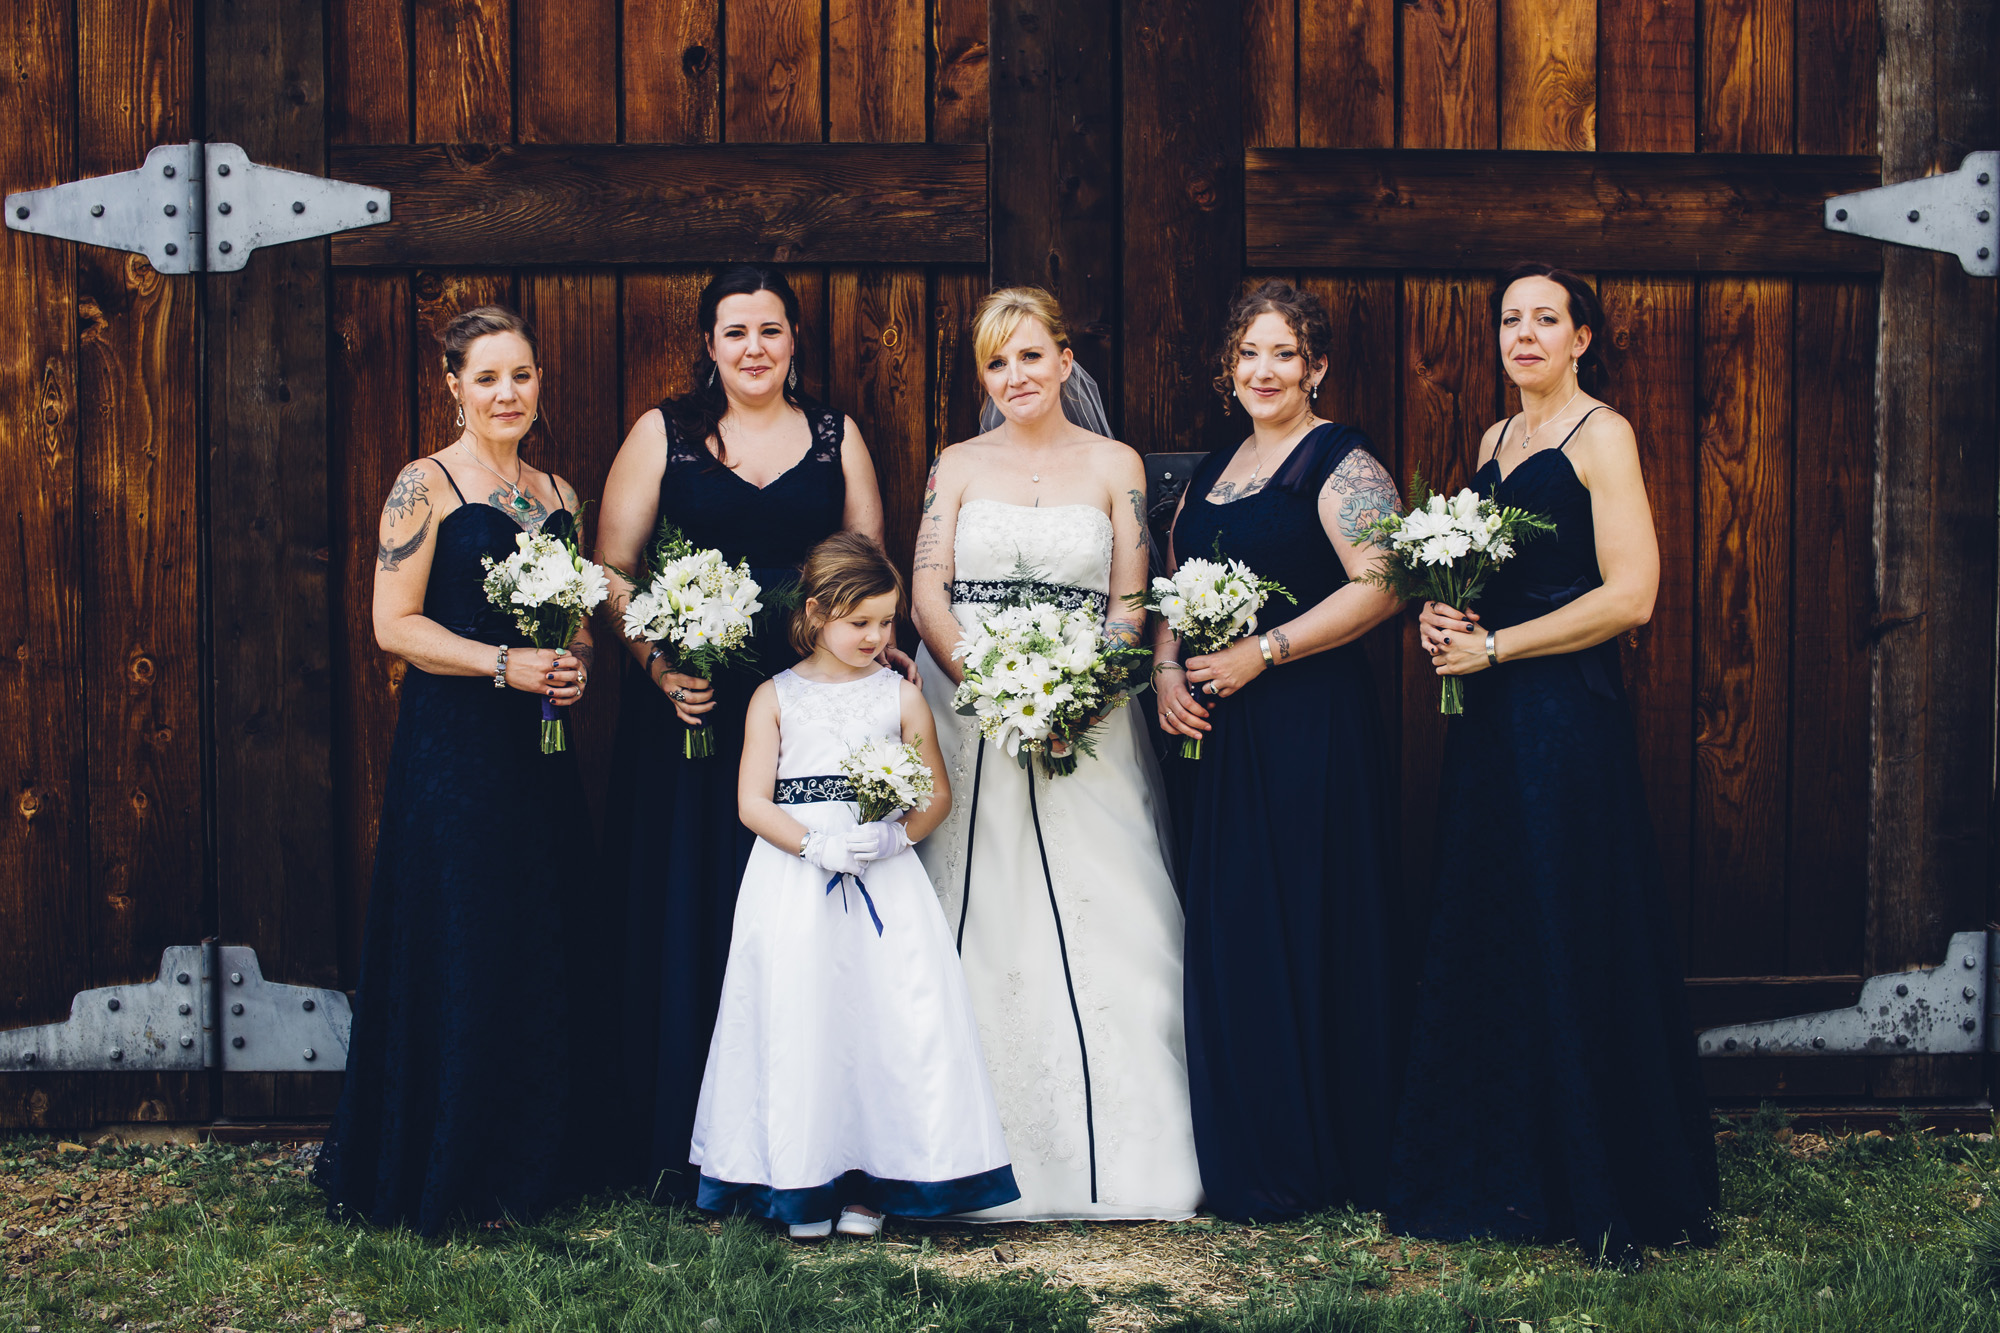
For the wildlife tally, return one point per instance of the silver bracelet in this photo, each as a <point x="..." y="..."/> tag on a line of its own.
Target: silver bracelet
<point x="1264" y="647"/>
<point x="804" y="843"/>
<point x="1492" y="648"/>
<point x="500" y="670"/>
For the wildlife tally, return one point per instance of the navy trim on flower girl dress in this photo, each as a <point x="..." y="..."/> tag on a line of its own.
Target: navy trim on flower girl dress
<point x="897" y="1198"/>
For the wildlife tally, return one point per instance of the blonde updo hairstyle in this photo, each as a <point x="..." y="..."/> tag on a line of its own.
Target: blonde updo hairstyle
<point x="1002" y="312"/>
<point x="840" y="574"/>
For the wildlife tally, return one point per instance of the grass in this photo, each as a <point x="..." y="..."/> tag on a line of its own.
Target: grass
<point x="1866" y="1232"/>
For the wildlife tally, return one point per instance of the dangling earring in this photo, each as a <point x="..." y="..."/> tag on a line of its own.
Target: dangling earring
<point x="792" y="379"/>
<point x="461" y="413"/>
<point x="713" y="371"/>
<point x="1312" y="392"/>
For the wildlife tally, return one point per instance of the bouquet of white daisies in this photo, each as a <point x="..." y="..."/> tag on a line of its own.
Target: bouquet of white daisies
<point x="888" y="776"/>
<point x="1208" y="604"/>
<point x="1444" y="550"/>
<point x="698" y="605"/>
<point x="1040" y="679"/>
<point x="549" y="588"/>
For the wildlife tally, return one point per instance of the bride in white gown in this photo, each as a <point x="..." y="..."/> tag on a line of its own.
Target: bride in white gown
<point x="1057" y="891"/>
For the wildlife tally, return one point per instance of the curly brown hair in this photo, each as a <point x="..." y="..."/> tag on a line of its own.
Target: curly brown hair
<point x="1302" y="312"/>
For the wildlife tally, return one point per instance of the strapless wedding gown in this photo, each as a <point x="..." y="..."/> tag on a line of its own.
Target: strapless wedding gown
<point x="1058" y="894"/>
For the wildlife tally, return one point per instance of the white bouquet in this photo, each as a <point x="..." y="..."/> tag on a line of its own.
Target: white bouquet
<point x="888" y="776"/>
<point x="1443" y="550"/>
<point x="702" y="608"/>
<point x="1039" y="679"/>
<point x="1208" y="604"/>
<point x="549" y="588"/>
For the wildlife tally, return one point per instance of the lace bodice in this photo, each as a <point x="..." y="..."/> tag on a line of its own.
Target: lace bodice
<point x="1065" y="545"/>
<point x="818" y="724"/>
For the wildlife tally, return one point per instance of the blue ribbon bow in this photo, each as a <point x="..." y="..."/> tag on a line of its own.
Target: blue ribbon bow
<point x="841" y="879"/>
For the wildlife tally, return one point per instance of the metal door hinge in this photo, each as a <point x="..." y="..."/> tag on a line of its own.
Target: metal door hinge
<point x="1942" y="1010"/>
<point x="209" y="1008"/>
<point x="197" y="206"/>
<point x="1957" y="212"/>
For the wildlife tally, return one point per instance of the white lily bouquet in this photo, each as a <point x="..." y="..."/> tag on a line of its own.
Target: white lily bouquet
<point x="1208" y="604"/>
<point x="701" y="607"/>
<point x="549" y="588"/>
<point x="887" y="777"/>
<point x="1040" y="679"/>
<point x="1444" y="550"/>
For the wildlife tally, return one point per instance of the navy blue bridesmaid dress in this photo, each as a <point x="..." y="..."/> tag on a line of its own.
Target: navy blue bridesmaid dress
<point x="483" y="860"/>
<point x="673" y="835"/>
<point x="1552" y="1092"/>
<point x="1287" y="872"/>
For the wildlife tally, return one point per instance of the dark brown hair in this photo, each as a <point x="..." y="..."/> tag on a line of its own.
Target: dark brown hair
<point x="1593" y="368"/>
<point x="698" y="413"/>
<point x="469" y="326"/>
<point x="1302" y="313"/>
<point x="839" y="574"/>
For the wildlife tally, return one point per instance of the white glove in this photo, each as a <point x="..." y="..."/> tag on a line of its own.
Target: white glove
<point x="872" y="842"/>
<point x="828" y="849"/>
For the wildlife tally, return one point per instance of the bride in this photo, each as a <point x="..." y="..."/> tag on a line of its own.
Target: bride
<point x="1056" y="890"/>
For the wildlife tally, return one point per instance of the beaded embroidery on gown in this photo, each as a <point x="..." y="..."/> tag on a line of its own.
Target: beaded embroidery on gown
<point x="1059" y="895"/>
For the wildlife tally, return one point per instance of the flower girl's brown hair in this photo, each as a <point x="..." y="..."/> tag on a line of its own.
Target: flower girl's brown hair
<point x="840" y="573"/>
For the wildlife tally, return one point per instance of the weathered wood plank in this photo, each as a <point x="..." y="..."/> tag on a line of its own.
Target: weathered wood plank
<point x="956" y="393"/>
<point x="1548" y="75"/>
<point x="672" y="59"/>
<point x="772" y="59"/>
<point x="1652" y="328"/>
<point x="1449" y="93"/>
<point x="1450" y="395"/>
<point x="543" y="204"/>
<point x="463" y="54"/>
<point x="568" y="76"/>
<point x="810" y="338"/>
<point x="371" y="438"/>
<point x="1832" y="605"/>
<point x="1183" y="202"/>
<point x="1746" y="69"/>
<point x="1742" y="640"/>
<point x="1624" y="212"/>
<point x="1271" y="59"/>
<point x="1838" y="45"/>
<point x="879" y="376"/>
<point x="1054" y="203"/>
<point x="875" y="71"/>
<point x="660" y="346"/>
<point x="45" y="937"/>
<point x="1347" y="74"/>
<point x="1647" y="94"/>
<point x="368" y="72"/>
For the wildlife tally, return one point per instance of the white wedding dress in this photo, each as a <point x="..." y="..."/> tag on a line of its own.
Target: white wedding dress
<point x="1058" y="893"/>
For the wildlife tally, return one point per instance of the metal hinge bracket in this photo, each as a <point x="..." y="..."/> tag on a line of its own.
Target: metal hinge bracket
<point x="1957" y="212"/>
<point x="209" y="1008"/>
<point x="1942" y="1010"/>
<point x="195" y="207"/>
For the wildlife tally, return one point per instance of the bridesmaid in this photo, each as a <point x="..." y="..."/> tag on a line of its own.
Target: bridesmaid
<point x="481" y="832"/>
<point x="747" y="465"/>
<point x="1288" y="849"/>
<point x="1552" y="1092"/>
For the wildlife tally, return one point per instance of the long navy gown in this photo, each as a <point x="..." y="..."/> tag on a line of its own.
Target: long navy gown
<point x="1287" y="872"/>
<point x="462" y="1094"/>
<point x="673" y="825"/>
<point x="1552" y="1091"/>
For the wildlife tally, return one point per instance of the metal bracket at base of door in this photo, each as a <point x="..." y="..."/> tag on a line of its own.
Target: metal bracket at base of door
<point x="1957" y="212"/>
<point x="1949" y="1009"/>
<point x="197" y="207"/>
<point x="171" y="1024"/>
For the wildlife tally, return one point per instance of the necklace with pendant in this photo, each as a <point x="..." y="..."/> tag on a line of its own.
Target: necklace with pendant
<point x="520" y="504"/>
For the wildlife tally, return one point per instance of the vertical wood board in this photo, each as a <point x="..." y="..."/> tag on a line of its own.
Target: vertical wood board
<point x="875" y="71"/>
<point x="1548" y="75"/>
<point x="1347" y="74"/>
<point x="568" y="71"/>
<point x="1649" y="55"/>
<point x="1450" y="93"/>
<point x="772" y="72"/>
<point x="463" y="53"/>
<point x="671" y="59"/>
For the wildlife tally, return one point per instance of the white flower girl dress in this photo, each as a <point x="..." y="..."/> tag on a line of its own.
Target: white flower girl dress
<point x="845" y="1066"/>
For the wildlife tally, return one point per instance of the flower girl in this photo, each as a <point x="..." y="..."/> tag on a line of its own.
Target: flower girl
<point x="845" y="1079"/>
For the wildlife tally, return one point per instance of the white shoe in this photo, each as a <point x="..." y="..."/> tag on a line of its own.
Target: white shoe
<point x="812" y="1230"/>
<point x="853" y="1223"/>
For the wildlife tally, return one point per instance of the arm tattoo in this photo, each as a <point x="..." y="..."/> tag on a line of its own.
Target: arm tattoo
<point x="585" y="653"/>
<point x="1123" y="632"/>
<point x="1365" y="492"/>
<point x="930" y="489"/>
<point x="389" y="558"/>
<point x="1284" y="645"/>
<point x="1139" y="512"/>
<point x="409" y="491"/>
<point x="925" y="556"/>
